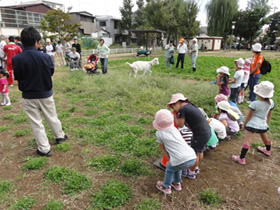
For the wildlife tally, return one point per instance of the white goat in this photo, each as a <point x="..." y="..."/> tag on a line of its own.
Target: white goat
<point x="142" y="66"/>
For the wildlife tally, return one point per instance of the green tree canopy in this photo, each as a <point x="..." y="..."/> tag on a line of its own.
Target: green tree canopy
<point x="274" y="27"/>
<point x="126" y="12"/>
<point x="56" y="24"/>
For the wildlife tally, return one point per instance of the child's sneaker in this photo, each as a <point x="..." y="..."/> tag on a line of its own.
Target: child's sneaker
<point x="8" y="104"/>
<point x="2" y="104"/>
<point x="189" y="174"/>
<point x="264" y="151"/>
<point x="177" y="187"/>
<point x="237" y="159"/>
<point x="197" y="171"/>
<point x="162" y="188"/>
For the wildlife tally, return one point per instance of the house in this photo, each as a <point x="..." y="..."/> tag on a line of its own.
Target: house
<point x="86" y="19"/>
<point x="111" y="25"/>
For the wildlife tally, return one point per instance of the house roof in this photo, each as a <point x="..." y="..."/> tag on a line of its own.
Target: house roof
<point x="102" y="29"/>
<point x="23" y="6"/>
<point x="84" y="13"/>
<point x="107" y="17"/>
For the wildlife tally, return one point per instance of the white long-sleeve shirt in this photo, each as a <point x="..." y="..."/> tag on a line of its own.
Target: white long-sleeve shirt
<point x="182" y="49"/>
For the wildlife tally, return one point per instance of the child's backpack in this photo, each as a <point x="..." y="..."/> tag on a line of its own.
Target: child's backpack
<point x="266" y="67"/>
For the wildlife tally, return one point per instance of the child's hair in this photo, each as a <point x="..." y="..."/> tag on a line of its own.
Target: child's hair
<point x="229" y="115"/>
<point x="188" y="101"/>
<point x="267" y="100"/>
<point x="225" y="78"/>
<point x="6" y="74"/>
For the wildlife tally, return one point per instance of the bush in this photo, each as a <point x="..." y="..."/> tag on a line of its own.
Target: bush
<point x="111" y="195"/>
<point x="24" y="203"/>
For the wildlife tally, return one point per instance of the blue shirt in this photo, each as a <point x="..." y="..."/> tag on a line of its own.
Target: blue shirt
<point x="33" y="70"/>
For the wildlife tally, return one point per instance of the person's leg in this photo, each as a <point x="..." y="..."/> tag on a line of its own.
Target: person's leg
<point x="254" y="81"/>
<point x="178" y="60"/>
<point x="193" y="62"/>
<point x="267" y="149"/>
<point x="102" y="64"/>
<point x="3" y="102"/>
<point x="7" y="99"/>
<point x="182" y="61"/>
<point x="105" y="65"/>
<point x="169" y="173"/>
<point x="32" y="110"/>
<point x="10" y="71"/>
<point x="48" y="109"/>
<point x="245" y="147"/>
<point x="199" y="157"/>
<point x="53" y="59"/>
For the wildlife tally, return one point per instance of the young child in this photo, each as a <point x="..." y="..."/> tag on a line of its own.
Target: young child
<point x="245" y="80"/>
<point x="189" y="114"/>
<point x="237" y="80"/>
<point x="223" y="80"/>
<point x="4" y="88"/>
<point x="174" y="147"/>
<point x="228" y="118"/>
<point x="257" y="120"/>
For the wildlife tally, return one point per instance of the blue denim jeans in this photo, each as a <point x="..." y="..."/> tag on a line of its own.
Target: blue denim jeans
<point x="234" y="94"/>
<point x="174" y="173"/>
<point x="181" y="58"/>
<point x="253" y="80"/>
<point x="104" y="62"/>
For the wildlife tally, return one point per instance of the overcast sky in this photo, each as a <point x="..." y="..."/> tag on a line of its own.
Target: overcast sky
<point x="111" y="7"/>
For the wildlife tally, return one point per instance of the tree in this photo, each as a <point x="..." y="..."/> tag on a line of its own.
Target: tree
<point x="56" y="24"/>
<point x="274" y="27"/>
<point x="139" y="19"/>
<point x="126" y="12"/>
<point x="220" y="16"/>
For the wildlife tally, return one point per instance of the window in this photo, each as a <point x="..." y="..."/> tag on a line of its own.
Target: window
<point x="102" y="23"/>
<point x="116" y="24"/>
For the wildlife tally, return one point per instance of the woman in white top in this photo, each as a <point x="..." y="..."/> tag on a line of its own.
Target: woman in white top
<point x="194" y="53"/>
<point x="182" y="50"/>
<point x="49" y="50"/>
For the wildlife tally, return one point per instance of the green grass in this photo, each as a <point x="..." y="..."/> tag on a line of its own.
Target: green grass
<point x="65" y="147"/>
<point x="4" y="128"/>
<point x="54" y="205"/>
<point x="24" y="203"/>
<point x="73" y="182"/>
<point x="113" y="194"/>
<point x="108" y="163"/>
<point x="8" y="107"/>
<point x="5" y="186"/>
<point x="210" y="197"/>
<point x="149" y="204"/>
<point x="20" y="133"/>
<point x="34" y="163"/>
<point x="134" y="167"/>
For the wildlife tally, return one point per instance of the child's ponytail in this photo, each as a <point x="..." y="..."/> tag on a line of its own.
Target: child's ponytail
<point x="6" y="74"/>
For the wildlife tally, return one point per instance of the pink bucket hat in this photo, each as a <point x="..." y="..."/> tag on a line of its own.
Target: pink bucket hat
<point x="176" y="97"/>
<point x="163" y="120"/>
<point x="220" y="97"/>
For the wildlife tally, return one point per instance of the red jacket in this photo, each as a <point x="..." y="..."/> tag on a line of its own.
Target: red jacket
<point x="11" y="49"/>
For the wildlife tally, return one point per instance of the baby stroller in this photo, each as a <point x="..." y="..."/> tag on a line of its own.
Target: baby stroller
<point x="91" y="66"/>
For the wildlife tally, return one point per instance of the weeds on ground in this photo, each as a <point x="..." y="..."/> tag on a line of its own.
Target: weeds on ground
<point x="54" y="205"/>
<point x="4" y="128"/>
<point x="108" y="163"/>
<point x="146" y="147"/>
<point x="5" y="186"/>
<point x="149" y="204"/>
<point x="34" y="163"/>
<point x="65" y="147"/>
<point x="20" y="133"/>
<point x="7" y="107"/>
<point x="73" y="181"/>
<point x="24" y="203"/>
<point x="111" y="195"/>
<point x="133" y="167"/>
<point x="210" y="197"/>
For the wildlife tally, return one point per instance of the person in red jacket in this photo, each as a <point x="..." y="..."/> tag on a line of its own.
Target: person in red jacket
<point x="11" y="49"/>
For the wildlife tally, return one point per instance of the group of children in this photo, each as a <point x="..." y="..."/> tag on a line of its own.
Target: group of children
<point x="183" y="158"/>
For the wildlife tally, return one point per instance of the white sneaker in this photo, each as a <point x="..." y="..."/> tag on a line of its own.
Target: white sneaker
<point x="248" y="102"/>
<point x="8" y="104"/>
<point x="2" y="104"/>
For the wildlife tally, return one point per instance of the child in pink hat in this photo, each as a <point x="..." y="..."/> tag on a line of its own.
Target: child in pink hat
<point x="189" y="114"/>
<point x="179" y="154"/>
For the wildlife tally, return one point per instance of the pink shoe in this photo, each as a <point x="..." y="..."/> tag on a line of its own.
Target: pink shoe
<point x="264" y="151"/>
<point x="238" y="160"/>
<point x="162" y="188"/>
<point x="177" y="187"/>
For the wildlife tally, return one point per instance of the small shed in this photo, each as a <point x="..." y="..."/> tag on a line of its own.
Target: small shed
<point x="211" y="43"/>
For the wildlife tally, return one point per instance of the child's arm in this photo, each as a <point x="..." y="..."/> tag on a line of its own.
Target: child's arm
<point x="219" y="82"/>
<point x="233" y="80"/>
<point x="179" y="121"/>
<point x="4" y="88"/>
<point x="249" y="116"/>
<point x="268" y="116"/>
<point x="224" y="123"/>
<point x="164" y="151"/>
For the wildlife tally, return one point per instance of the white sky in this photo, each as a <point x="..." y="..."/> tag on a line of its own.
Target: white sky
<point x="111" y="7"/>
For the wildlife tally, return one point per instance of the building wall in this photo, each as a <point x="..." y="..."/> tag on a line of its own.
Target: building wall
<point x="38" y="8"/>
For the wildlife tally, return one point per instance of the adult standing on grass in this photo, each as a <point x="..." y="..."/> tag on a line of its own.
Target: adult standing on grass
<point x="182" y="50"/>
<point x="103" y="52"/>
<point x="77" y="46"/>
<point x="169" y="50"/>
<point x="194" y="53"/>
<point x="49" y="50"/>
<point x="255" y="72"/>
<point x="60" y="53"/>
<point x="10" y="50"/>
<point x="34" y="70"/>
<point x="3" y="42"/>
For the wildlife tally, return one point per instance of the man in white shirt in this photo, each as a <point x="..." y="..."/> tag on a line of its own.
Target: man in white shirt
<point x="75" y="57"/>
<point x="4" y="40"/>
<point x="182" y="49"/>
<point x="50" y="50"/>
<point x="194" y="53"/>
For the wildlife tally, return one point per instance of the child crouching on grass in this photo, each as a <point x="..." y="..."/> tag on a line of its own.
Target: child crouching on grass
<point x="4" y="88"/>
<point x="179" y="154"/>
<point x="257" y="120"/>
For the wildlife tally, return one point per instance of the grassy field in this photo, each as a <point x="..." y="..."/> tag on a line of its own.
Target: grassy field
<point x="107" y="162"/>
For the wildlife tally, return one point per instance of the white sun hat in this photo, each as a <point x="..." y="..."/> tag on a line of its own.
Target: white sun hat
<point x="264" y="89"/>
<point x="240" y="62"/>
<point x="224" y="105"/>
<point x="257" y="47"/>
<point x="48" y="40"/>
<point x="224" y="70"/>
<point x="194" y="40"/>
